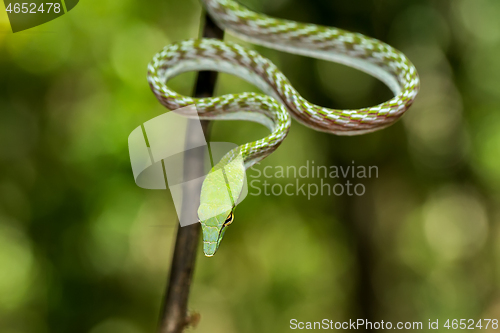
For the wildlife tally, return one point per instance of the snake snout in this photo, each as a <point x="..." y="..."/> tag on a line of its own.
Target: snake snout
<point x="213" y="232"/>
<point x="210" y="240"/>
<point x="209" y="248"/>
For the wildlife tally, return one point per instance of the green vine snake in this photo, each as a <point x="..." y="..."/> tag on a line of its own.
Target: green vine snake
<point x="281" y="100"/>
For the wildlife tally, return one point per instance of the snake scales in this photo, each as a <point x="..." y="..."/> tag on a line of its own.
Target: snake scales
<point x="281" y="100"/>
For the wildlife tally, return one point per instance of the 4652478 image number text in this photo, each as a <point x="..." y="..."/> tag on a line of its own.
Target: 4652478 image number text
<point x="34" y="8"/>
<point x="467" y="324"/>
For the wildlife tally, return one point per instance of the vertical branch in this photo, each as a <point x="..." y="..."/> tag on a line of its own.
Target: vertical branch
<point x="174" y="315"/>
<point x="358" y="215"/>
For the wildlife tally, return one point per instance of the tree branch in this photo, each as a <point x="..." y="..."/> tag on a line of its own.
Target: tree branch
<point x="174" y="315"/>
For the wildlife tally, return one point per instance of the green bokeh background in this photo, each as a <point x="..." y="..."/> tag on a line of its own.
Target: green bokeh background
<point x="83" y="249"/>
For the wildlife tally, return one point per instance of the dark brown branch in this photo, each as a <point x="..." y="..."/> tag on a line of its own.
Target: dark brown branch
<point x="174" y="315"/>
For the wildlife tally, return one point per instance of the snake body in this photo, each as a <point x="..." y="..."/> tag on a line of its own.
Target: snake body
<point x="281" y="100"/>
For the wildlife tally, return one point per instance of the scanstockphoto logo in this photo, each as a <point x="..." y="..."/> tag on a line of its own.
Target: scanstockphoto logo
<point x="28" y="14"/>
<point x="163" y="150"/>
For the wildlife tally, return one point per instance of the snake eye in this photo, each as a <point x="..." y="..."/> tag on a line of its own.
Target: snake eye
<point x="229" y="219"/>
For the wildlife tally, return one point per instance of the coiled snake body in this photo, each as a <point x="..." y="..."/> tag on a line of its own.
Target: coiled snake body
<point x="273" y="110"/>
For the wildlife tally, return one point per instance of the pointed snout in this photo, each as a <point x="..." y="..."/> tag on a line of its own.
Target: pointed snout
<point x="209" y="248"/>
<point x="210" y="240"/>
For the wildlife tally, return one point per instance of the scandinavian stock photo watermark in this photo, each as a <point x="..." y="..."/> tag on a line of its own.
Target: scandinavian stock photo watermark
<point x="310" y="180"/>
<point x="158" y="149"/>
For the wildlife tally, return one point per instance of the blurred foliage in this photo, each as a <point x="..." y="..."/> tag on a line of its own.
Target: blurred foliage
<point x="83" y="249"/>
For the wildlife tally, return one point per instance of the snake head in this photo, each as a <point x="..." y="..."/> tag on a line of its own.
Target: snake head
<point x="219" y="193"/>
<point x="213" y="231"/>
